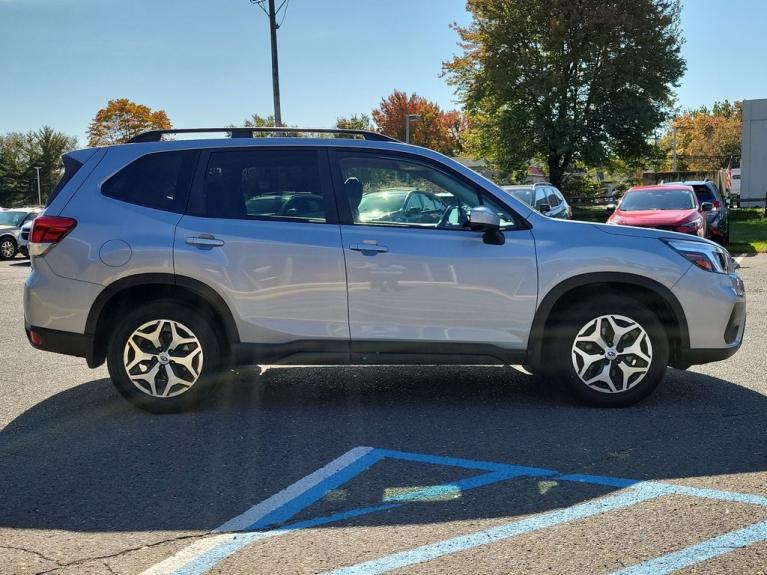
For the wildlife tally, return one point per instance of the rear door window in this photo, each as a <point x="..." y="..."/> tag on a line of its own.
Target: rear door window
<point x="264" y="184"/>
<point x="160" y="181"/>
<point x="540" y="197"/>
<point x="553" y="198"/>
<point x="704" y="194"/>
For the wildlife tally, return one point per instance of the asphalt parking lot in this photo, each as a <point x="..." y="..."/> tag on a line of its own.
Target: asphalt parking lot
<point x="377" y="470"/>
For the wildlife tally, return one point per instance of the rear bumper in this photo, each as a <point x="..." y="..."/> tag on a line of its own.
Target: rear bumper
<point x="64" y="342"/>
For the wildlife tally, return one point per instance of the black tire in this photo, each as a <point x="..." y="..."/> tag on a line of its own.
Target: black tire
<point x="8" y="248"/>
<point x="189" y="322"/>
<point x="576" y="318"/>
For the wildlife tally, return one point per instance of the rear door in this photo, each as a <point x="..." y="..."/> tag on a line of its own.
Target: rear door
<point x="430" y="285"/>
<point x="262" y="230"/>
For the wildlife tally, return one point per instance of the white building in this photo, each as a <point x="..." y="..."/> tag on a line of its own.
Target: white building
<point x="753" y="161"/>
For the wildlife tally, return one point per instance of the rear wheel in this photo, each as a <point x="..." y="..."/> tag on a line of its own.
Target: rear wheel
<point x="611" y="352"/>
<point x="8" y="248"/>
<point x="164" y="357"/>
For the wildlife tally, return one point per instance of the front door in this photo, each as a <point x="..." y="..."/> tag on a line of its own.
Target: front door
<point x="420" y="280"/>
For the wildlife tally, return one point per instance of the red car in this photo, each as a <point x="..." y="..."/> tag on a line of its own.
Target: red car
<point x="673" y="208"/>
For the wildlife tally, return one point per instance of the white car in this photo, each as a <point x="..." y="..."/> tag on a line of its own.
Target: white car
<point x="23" y="242"/>
<point x="11" y="222"/>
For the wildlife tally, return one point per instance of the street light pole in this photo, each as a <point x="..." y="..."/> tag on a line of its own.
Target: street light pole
<point x="39" y="195"/>
<point x="410" y="118"/>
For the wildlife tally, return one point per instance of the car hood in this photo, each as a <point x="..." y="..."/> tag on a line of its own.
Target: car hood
<point x="653" y="233"/>
<point x="653" y="218"/>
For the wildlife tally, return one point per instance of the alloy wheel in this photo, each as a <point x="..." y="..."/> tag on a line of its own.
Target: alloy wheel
<point x="163" y="358"/>
<point x="611" y="353"/>
<point x="7" y="249"/>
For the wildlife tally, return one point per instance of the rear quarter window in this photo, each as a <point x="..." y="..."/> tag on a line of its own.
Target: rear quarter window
<point x="70" y="169"/>
<point x="160" y="181"/>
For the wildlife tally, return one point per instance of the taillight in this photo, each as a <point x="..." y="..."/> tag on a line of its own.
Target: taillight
<point x="47" y="231"/>
<point x="717" y="203"/>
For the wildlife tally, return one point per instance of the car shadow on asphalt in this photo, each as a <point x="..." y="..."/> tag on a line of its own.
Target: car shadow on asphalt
<point x="86" y="460"/>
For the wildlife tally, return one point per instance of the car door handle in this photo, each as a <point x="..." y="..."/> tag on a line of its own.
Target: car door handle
<point x="206" y="240"/>
<point x="368" y="248"/>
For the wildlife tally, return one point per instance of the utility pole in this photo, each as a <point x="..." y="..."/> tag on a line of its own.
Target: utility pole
<point x="275" y="64"/>
<point x="273" y="25"/>
<point x="39" y="196"/>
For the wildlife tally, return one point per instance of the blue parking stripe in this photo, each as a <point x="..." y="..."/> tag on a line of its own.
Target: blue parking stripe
<point x="717" y="494"/>
<point x="529" y="525"/>
<point x="599" y="480"/>
<point x="709" y="549"/>
<point x="465" y="463"/>
<point x="285" y="512"/>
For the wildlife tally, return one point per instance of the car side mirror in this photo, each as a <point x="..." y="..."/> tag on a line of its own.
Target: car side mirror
<point x="707" y="207"/>
<point x="482" y="219"/>
<point x="544" y="208"/>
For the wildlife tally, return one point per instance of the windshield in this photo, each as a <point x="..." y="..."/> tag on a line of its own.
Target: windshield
<point x="657" y="200"/>
<point x="12" y="218"/>
<point x="385" y="202"/>
<point x="524" y="195"/>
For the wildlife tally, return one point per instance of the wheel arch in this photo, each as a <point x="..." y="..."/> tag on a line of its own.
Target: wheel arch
<point x="140" y="288"/>
<point x="649" y="292"/>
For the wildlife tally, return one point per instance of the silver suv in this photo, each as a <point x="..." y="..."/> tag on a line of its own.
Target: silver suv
<point x="172" y="260"/>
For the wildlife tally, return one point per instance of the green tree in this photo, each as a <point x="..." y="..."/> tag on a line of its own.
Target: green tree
<point x="355" y="122"/>
<point x="256" y="121"/>
<point x="21" y="153"/>
<point x="567" y="80"/>
<point x="122" y="119"/>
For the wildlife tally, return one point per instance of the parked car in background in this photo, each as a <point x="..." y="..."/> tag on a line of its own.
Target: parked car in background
<point x="170" y="271"/>
<point x="11" y="222"/>
<point x="543" y="197"/>
<point x="718" y="226"/>
<point x="673" y="208"/>
<point x="24" y="238"/>
<point x="403" y="205"/>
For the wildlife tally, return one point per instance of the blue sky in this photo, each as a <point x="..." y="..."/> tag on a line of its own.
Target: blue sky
<point x="207" y="62"/>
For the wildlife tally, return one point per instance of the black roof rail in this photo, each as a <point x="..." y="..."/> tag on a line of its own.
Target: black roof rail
<point x="156" y="135"/>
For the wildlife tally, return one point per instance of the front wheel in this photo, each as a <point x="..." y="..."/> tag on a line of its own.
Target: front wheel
<point x="611" y="352"/>
<point x="8" y="249"/>
<point x="164" y="357"/>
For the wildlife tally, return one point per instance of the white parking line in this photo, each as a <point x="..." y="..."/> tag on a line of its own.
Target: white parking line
<point x="223" y="533"/>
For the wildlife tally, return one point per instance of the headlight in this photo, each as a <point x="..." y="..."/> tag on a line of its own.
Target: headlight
<point x="692" y="224"/>
<point x="704" y="255"/>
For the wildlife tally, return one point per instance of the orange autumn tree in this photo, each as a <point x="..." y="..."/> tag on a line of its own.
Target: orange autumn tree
<point x="437" y="129"/>
<point x="122" y="119"/>
<point x="706" y="139"/>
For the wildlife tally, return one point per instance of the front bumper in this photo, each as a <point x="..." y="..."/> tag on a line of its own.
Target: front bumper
<point x="716" y="317"/>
